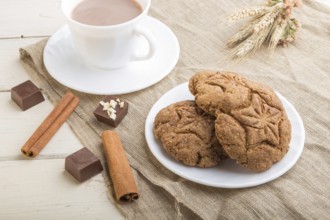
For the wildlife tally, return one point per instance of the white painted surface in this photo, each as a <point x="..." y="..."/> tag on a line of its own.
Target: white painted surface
<point x="42" y="189"/>
<point x="17" y="126"/>
<point x="11" y="71"/>
<point x="29" y="17"/>
<point x="39" y="188"/>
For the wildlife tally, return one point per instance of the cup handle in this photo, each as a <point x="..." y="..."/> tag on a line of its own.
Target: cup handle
<point x="151" y="41"/>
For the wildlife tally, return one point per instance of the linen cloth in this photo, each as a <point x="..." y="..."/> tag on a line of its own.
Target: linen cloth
<point x="299" y="72"/>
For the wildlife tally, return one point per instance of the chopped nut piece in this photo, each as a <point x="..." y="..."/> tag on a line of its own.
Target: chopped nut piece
<point x="111" y="111"/>
<point x="106" y="105"/>
<point x="113" y="116"/>
<point x="121" y="104"/>
<point x="113" y="103"/>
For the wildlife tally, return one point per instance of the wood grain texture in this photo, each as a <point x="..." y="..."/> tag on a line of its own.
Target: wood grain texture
<point x="17" y="126"/>
<point x="42" y="189"/>
<point x="12" y="72"/>
<point x="30" y="18"/>
<point x="39" y="188"/>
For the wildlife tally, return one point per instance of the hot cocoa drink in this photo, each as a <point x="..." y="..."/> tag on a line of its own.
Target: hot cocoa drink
<point x="105" y="12"/>
<point x="104" y="31"/>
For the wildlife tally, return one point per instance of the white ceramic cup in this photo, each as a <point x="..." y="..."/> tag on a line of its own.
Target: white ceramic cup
<point x="109" y="47"/>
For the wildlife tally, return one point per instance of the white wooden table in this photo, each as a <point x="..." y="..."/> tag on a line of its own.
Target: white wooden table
<point x="39" y="188"/>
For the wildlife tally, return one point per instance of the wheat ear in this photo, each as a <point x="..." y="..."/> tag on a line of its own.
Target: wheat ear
<point x="250" y="12"/>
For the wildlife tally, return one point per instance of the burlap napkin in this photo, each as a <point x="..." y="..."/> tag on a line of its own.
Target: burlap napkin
<point x="300" y="73"/>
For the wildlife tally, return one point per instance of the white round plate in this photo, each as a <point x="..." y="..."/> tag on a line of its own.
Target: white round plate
<point x="66" y="66"/>
<point x="228" y="174"/>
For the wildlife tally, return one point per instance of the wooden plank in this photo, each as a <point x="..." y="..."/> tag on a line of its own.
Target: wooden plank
<point x="42" y="189"/>
<point x="12" y="72"/>
<point x="42" y="201"/>
<point x="17" y="126"/>
<point x="30" y="18"/>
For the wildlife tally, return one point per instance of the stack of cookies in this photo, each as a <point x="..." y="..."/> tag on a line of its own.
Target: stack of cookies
<point x="231" y="117"/>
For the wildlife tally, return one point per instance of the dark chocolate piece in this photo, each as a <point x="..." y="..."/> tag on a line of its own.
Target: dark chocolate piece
<point x="26" y="95"/>
<point x="83" y="164"/>
<point x="119" y="113"/>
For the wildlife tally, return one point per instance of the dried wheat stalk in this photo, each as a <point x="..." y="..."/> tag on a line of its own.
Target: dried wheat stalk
<point x="271" y="24"/>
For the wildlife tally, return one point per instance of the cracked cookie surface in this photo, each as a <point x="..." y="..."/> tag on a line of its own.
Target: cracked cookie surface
<point x="188" y="134"/>
<point x="216" y="91"/>
<point x="251" y="123"/>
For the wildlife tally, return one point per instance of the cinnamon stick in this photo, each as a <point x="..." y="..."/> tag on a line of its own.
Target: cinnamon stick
<point x="121" y="174"/>
<point x="50" y="125"/>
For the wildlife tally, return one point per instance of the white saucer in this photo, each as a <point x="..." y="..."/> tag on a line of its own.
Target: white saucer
<point x="65" y="65"/>
<point x="228" y="174"/>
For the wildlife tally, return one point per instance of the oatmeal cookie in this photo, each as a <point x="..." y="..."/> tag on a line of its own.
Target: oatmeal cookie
<point x="216" y="91"/>
<point x="251" y="123"/>
<point x="188" y="134"/>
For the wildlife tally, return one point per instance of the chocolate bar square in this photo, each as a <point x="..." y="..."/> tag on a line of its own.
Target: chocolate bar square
<point x="112" y="111"/>
<point x="26" y="95"/>
<point x="83" y="164"/>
